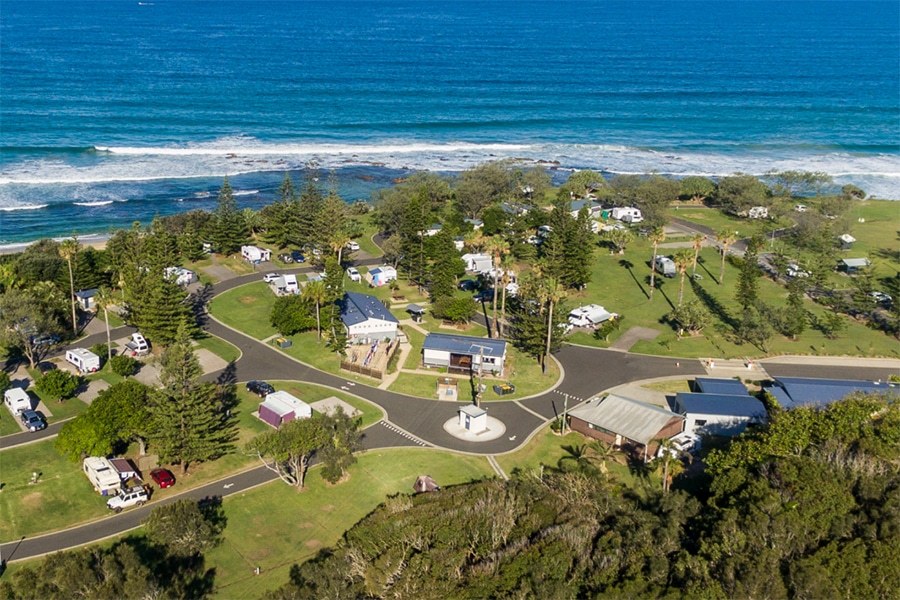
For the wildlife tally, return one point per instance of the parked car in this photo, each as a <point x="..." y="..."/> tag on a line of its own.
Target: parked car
<point x="286" y="258"/>
<point x="612" y="227"/>
<point x="162" y="477"/>
<point x="128" y="498"/>
<point x="794" y="270"/>
<point x="45" y="340"/>
<point x="33" y="420"/>
<point x="298" y="256"/>
<point x="46" y="366"/>
<point x="484" y="295"/>
<point x="683" y="443"/>
<point x="353" y="274"/>
<point x="880" y="298"/>
<point x="468" y="285"/>
<point x="352" y="246"/>
<point x="800" y="208"/>
<point x="270" y="277"/>
<point x="260" y="388"/>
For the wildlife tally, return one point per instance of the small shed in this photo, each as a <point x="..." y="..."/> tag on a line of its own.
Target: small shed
<point x="846" y="241"/>
<point x="416" y="312"/>
<point x="281" y="407"/>
<point x="424" y="483"/>
<point x="852" y="266"/>
<point x="85" y="298"/>
<point x="473" y="418"/>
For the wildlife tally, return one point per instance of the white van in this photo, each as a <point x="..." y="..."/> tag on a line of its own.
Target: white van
<point x="85" y="360"/>
<point x="16" y="400"/>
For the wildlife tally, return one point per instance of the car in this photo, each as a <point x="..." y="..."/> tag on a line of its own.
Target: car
<point x="468" y="285"/>
<point x="612" y="227"/>
<point x="162" y="477"/>
<point x="484" y="295"/>
<point x="33" y="420"/>
<point x="794" y="270"/>
<point x="298" y="256"/>
<point x="286" y="258"/>
<point x="880" y="297"/>
<point x="512" y="289"/>
<point x="801" y="208"/>
<point x="260" y="388"/>
<point x="352" y="246"/>
<point x="45" y="340"/>
<point x="46" y="366"/>
<point x="127" y="498"/>
<point x="270" y="277"/>
<point x="683" y="443"/>
<point x="353" y="274"/>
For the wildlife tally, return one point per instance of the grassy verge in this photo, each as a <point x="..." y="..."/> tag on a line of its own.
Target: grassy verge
<point x="275" y="526"/>
<point x="8" y="423"/>
<point x="219" y="347"/>
<point x="246" y="309"/>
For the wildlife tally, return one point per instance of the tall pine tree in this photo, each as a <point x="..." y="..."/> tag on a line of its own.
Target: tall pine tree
<point x="189" y="424"/>
<point x="230" y="228"/>
<point x="446" y="266"/>
<point x="415" y="220"/>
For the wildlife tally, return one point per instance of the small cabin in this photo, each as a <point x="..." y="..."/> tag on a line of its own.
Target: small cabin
<point x="473" y="418"/>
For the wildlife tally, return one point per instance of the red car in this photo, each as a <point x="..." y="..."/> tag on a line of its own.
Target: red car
<point x="162" y="477"/>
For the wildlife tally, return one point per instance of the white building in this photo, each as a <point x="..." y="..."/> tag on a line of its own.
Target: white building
<point x="477" y="263"/>
<point x="462" y="353"/>
<point x="367" y="319"/>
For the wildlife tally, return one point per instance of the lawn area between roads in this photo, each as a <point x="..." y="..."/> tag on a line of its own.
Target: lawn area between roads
<point x="63" y="497"/>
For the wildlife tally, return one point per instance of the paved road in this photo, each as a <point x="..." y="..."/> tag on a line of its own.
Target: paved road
<point x="411" y="421"/>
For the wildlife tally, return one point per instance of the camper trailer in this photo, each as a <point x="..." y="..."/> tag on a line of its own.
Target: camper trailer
<point x="16" y="400"/>
<point x="665" y="266"/>
<point x="102" y="475"/>
<point x="85" y="360"/>
<point x="590" y="316"/>
<point x="628" y="214"/>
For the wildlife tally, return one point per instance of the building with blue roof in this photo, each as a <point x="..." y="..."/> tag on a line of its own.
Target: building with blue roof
<point x="718" y="414"/>
<point x="367" y="319"/>
<point x="791" y="392"/>
<point x="713" y="385"/>
<point x="463" y="353"/>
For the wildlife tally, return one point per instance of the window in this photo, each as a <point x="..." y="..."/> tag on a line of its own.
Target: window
<point x="700" y="422"/>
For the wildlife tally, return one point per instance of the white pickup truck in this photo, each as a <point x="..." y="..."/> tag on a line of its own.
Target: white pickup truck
<point x="125" y="499"/>
<point x="137" y="346"/>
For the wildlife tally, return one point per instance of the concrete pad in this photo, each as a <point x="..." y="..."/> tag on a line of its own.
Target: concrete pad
<point x="148" y="374"/>
<point x="495" y="429"/>
<point x="93" y="390"/>
<point x="209" y="362"/>
<point x="219" y="273"/>
<point x="632" y="336"/>
<point x="329" y="405"/>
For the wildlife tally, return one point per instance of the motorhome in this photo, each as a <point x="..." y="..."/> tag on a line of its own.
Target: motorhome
<point x="137" y="345"/>
<point x="16" y="400"/>
<point x="84" y="359"/>
<point x="102" y="475"/>
<point x="665" y="266"/>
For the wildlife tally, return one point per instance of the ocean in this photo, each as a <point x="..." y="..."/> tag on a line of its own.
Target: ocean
<point x="115" y="111"/>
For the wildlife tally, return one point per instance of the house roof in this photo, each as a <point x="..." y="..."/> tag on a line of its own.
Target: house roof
<point x="82" y="294"/>
<point x="847" y="238"/>
<point x="415" y="309"/>
<point x="357" y="308"/>
<point x="283" y="403"/>
<point x="712" y="385"/>
<point x="629" y="418"/>
<point x="730" y="405"/>
<point x="802" y="391"/>
<point x="856" y="262"/>
<point x="472" y="410"/>
<point x="464" y="344"/>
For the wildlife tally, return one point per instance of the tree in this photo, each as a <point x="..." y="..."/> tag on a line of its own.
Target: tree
<point x="739" y="193"/>
<point x="446" y="266"/>
<point x="683" y="260"/>
<point x="582" y="182"/>
<point x="791" y="320"/>
<point x="315" y="293"/>
<point x="654" y="196"/>
<point x="67" y="250"/>
<point x="293" y="314"/>
<point x="188" y="422"/>
<point x="343" y="441"/>
<point x="697" y="241"/>
<point x="123" y="365"/>
<point x="456" y="309"/>
<point x="287" y="450"/>
<point x="506" y="265"/>
<point x="58" y="384"/>
<point x="755" y="328"/>
<point x="104" y="300"/>
<point x="230" y="229"/>
<point x="657" y="236"/>
<point x="183" y="528"/>
<point x="416" y="219"/>
<point x="691" y="316"/>
<point x="726" y="238"/>
<point x="553" y="294"/>
<point x="831" y="324"/>
<point x="22" y="320"/>
<point x="697" y="188"/>
<point x="480" y="186"/>
<point x="4" y="381"/>
<point x="618" y="239"/>
<point x="667" y="458"/>
<point x="497" y="248"/>
<point x="747" y="290"/>
<point x="278" y="216"/>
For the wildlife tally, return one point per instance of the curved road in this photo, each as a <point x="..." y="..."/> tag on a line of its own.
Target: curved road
<point x="410" y="422"/>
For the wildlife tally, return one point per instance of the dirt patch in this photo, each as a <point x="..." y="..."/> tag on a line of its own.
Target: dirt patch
<point x="33" y="500"/>
<point x="247" y="300"/>
<point x="306" y="525"/>
<point x="313" y="544"/>
<point x="327" y="508"/>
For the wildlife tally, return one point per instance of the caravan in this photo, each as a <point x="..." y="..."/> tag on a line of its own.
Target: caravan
<point x="590" y="316"/>
<point x="16" y="400"/>
<point x="102" y="475"/>
<point x="85" y="360"/>
<point x="665" y="266"/>
<point x="628" y="214"/>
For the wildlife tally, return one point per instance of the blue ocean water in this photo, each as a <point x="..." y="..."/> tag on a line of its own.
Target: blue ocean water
<point x="113" y="111"/>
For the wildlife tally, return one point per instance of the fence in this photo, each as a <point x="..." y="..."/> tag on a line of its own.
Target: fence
<point x="355" y="367"/>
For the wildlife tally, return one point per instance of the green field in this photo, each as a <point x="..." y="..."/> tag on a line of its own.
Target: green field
<point x="247" y="309"/>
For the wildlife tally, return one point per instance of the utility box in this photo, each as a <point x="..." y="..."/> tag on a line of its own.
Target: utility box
<point x="283" y="342"/>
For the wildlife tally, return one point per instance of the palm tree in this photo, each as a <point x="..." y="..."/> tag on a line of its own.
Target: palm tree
<point x="506" y="263"/>
<point x="475" y="240"/>
<point x="104" y="299"/>
<point x="724" y="237"/>
<point x="697" y="240"/>
<point x="497" y="247"/>
<point x="254" y="221"/>
<point x="314" y="291"/>
<point x="67" y="250"/>
<point x="657" y="236"/>
<point x="682" y="262"/>
<point x="554" y="294"/>
<point x="338" y="242"/>
<point x="669" y="461"/>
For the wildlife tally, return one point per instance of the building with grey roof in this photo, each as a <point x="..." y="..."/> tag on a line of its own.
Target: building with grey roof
<point x="367" y="319"/>
<point x="463" y="353"/>
<point x="791" y="392"/>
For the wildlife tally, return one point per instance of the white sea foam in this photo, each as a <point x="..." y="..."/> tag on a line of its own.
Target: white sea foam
<point x="245" y="192"/>
<point x="240" y="155"/>
<point x="25" y="207"/>
<point x="97" y="203"/>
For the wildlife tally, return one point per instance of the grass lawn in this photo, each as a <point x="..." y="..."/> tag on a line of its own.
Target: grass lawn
<point x="275" y="526"/>
<point x="713" y="218"/>
<point x="8" y="423"/>
<point x="247" y="309"/>
<point x="416" y="339"/>
<point x="219" y="347"/>
<point x="678" y="385"/>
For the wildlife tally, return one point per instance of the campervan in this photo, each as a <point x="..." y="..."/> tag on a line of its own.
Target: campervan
<point x="137" y="345"/>
<point x="590" y="315"/>
<point x="102" y="475"/>
<point x="665" y="266"/>
<point x="16" y="400"/>
<point x="85" y="360"/>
